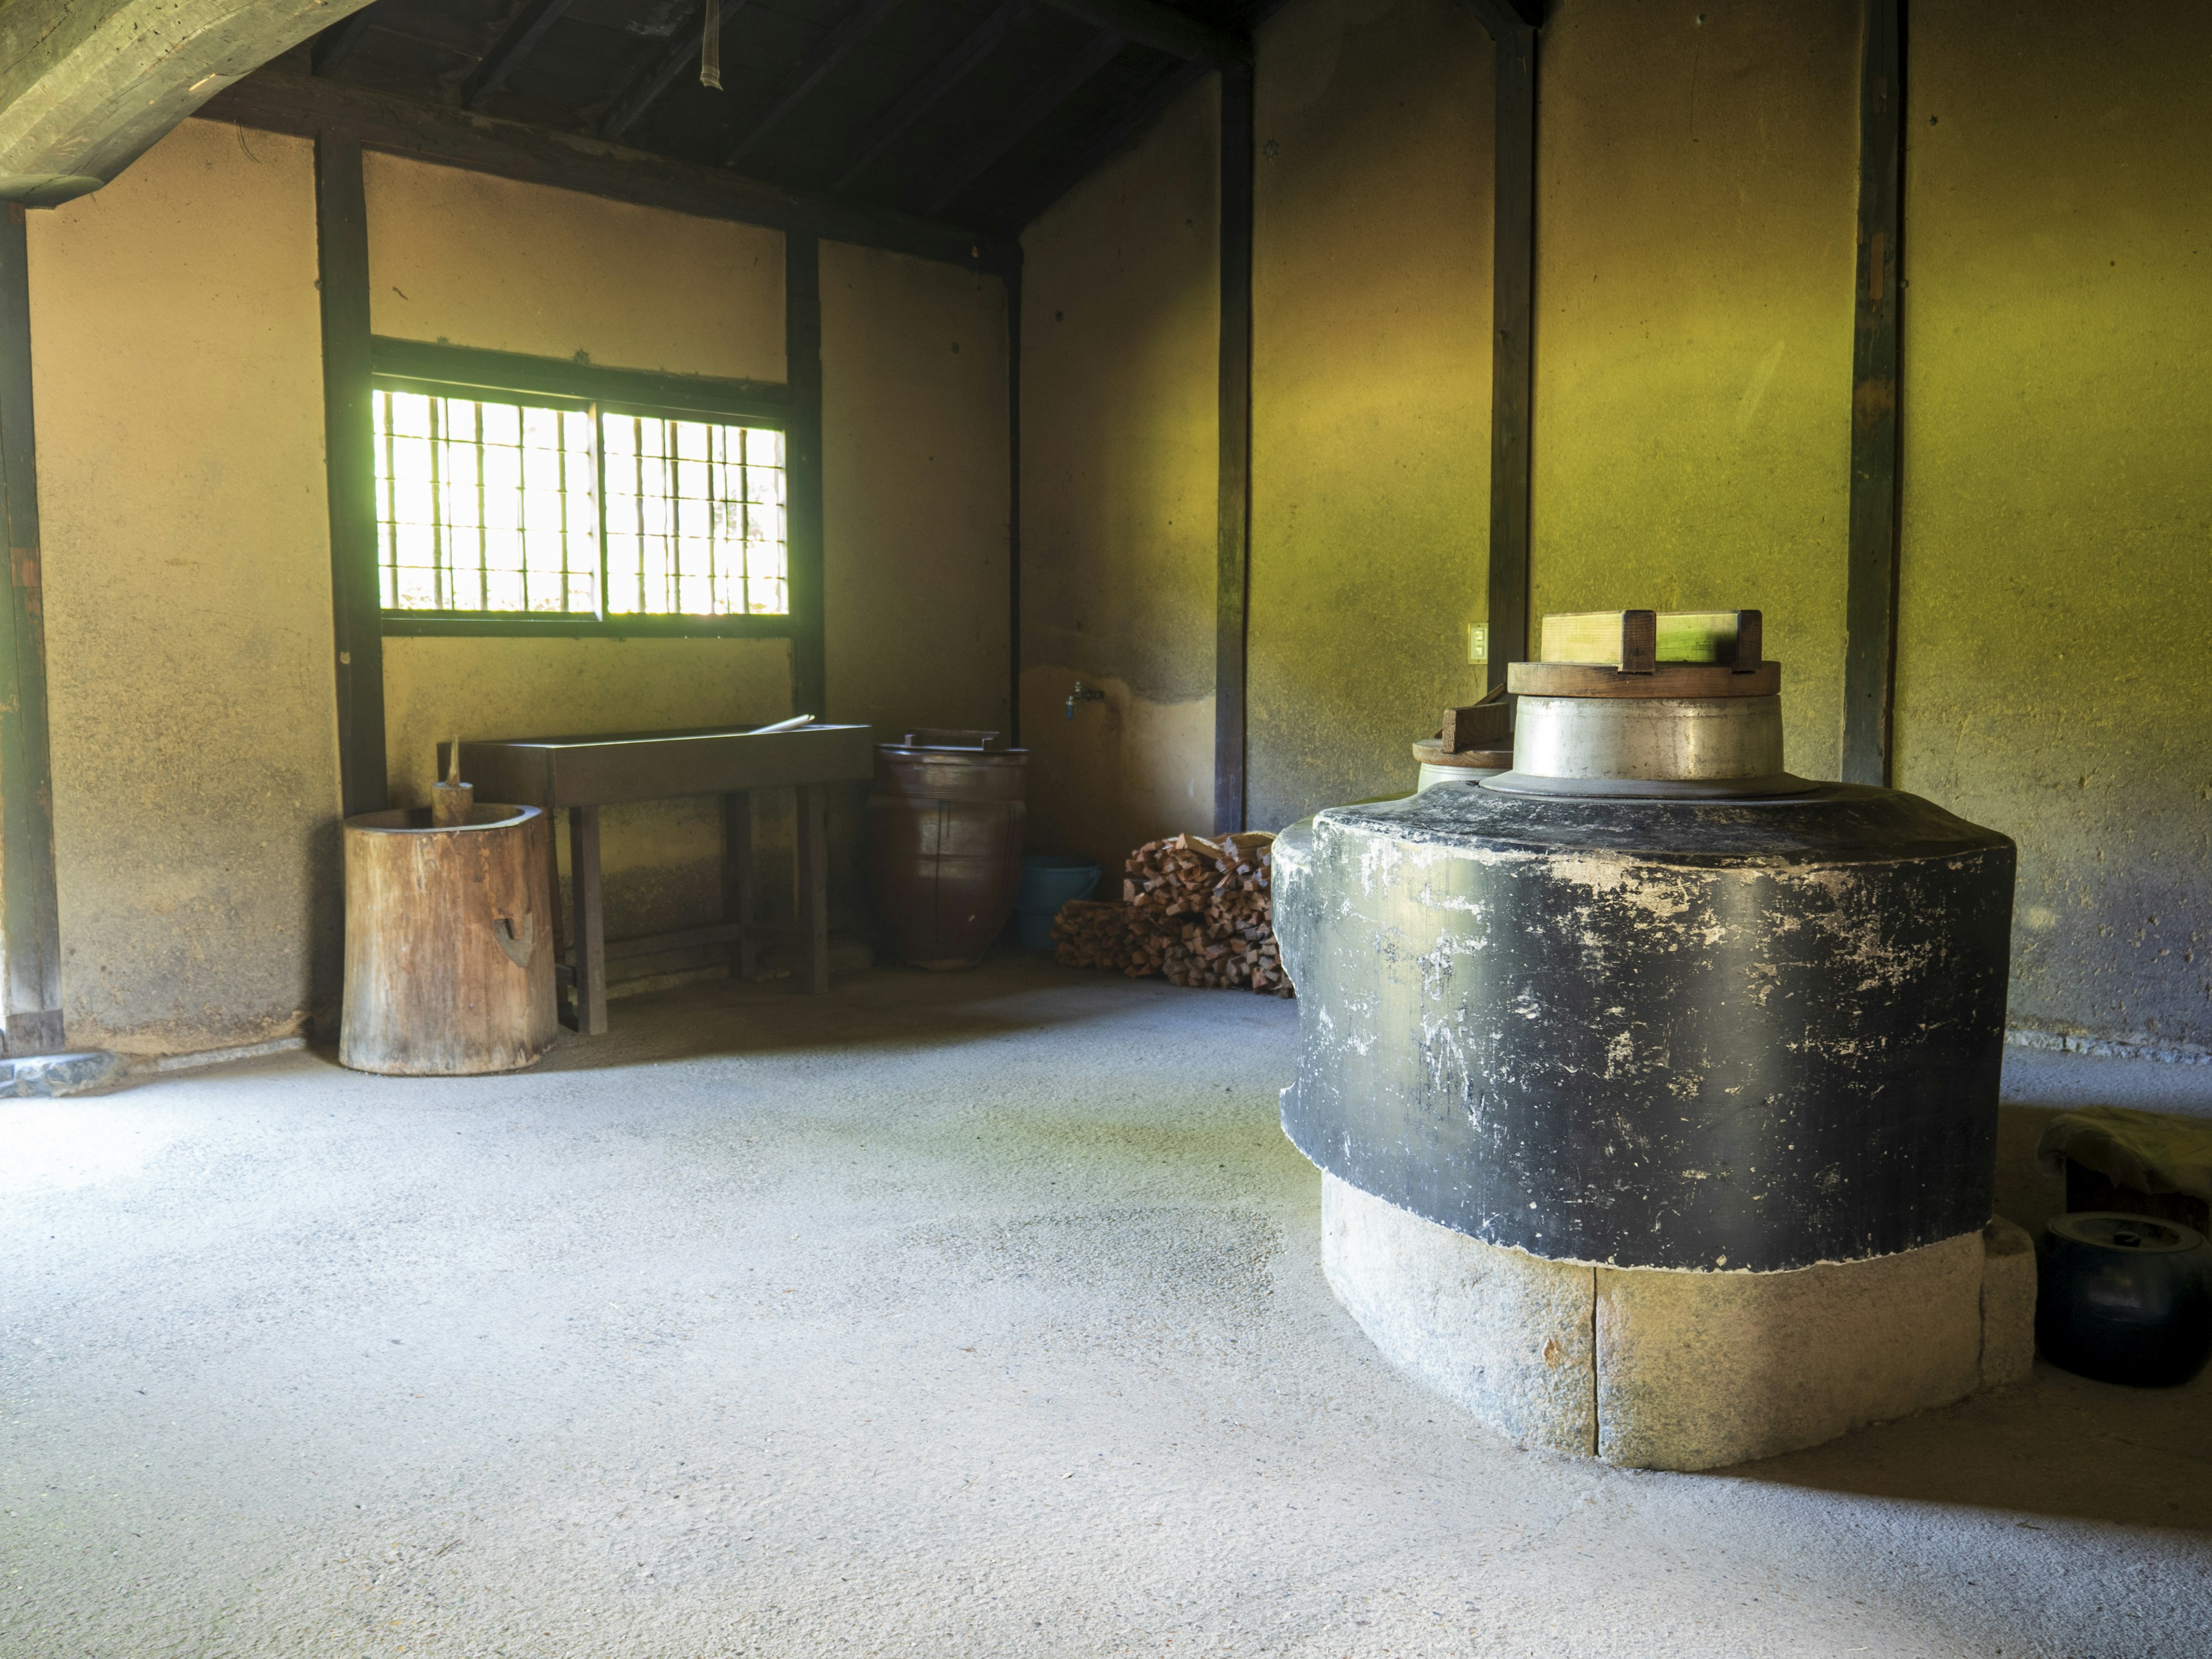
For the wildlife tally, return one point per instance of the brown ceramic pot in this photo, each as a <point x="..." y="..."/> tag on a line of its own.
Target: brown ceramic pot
<point x="945" y="842"/>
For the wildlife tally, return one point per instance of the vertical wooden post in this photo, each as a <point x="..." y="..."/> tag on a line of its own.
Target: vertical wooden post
<point x="590" y="930"/>
<point x="1512" y="344"/>
<point x="348" y="447"/>
<point x="30" y="930"/>
<point x="1233" y="532"/>
<point x="1013" y="280"/>
<point x="1870" y="606"/>
<point x="738" y="883"/>
<point x="813" y="930"/>
<point x="802" y="336"/>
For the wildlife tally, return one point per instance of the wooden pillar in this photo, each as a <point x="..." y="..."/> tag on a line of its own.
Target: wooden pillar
<point x="30" y="932"/>
<point x="349" y="444"/>
<point x="802" y="334"/>
<point x="589" y="930"/>
<point x="1233" y="532"/>
<point x="1013" y="280"/>
<point x="811" y="936"/>
<point x="1513" y="315"/>
<point x="1870" y="607"/>
<point x="738" y="885"/>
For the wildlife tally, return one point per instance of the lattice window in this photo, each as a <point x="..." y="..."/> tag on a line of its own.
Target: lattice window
<point x="695" y="519"/>
<point x="492" y="507"/>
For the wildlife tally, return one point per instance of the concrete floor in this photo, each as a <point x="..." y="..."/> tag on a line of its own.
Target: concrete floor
<point x="972" y="1314"/>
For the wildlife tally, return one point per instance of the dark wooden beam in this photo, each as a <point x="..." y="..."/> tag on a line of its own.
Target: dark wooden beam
<point x="1233" y="532"/>
<point x="658" y="74"/>
<point x="1503" y="16"/>
<point x="1512" y="344"/>
<point x="1162" y="28"/>
<point x="349" y="446"/>
<point x="1013" y="281"/>
<point x="336" y="44"/>
<point x="30" y="925"/>
<point x="1048" y="95"/>
<point x="802" y="460"/>
<point x="1110" y="137"/>
<point x="521" y="37"/>
<point x="831" y="50"/>
<point x="464" y="371"/>
<point x="921" y="97"/>
<point x="1870" y="603"/>
<point x="276" y="101"/>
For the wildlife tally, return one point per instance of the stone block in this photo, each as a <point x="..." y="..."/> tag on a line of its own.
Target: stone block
<point x="1662" y="1369"/>
<point x="1506" y="1334"/>
<point x="1700" y="1369"/>
<point x="2008" y="1304"/>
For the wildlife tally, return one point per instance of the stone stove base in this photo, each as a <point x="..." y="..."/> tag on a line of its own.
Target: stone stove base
<point x="1659" y="1369"/>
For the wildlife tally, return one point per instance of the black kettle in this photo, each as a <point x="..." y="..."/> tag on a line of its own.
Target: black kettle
<point x="2123" y="1299"/>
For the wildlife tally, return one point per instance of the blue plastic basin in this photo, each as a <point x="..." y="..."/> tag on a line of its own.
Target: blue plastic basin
<point x="1049" y="881"/>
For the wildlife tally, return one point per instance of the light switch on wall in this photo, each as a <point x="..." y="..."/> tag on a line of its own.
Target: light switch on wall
<point x="1478" y="641"/>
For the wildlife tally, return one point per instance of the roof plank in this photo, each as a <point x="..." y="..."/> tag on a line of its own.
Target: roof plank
<point x="1049" y="95"/>
<point x="943" y="75"/>
<point x="510" y="48"/>
<point x="829" y="51"/>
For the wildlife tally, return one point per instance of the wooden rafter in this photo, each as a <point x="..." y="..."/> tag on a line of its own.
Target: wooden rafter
<point x="510" y="49"/>
<point x="944" y="74"/>
<point x="645" y="87"/>
<point x="336" y="44"/>
<point x="1048" y="96"/>
<point x="831" y="51"/>
<point x="1161" y="29"/>
<point x="279" y="102"/>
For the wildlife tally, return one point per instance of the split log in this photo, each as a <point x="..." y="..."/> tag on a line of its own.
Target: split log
<point x="1195" y="910"/>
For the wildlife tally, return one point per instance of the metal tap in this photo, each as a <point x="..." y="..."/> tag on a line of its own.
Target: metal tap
<point x="1083" y="694"/>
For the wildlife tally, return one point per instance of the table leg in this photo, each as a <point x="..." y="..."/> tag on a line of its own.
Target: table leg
<point x="813" y="896"/>
<point x="738" y="882"/>
<point x="590" y="930"/>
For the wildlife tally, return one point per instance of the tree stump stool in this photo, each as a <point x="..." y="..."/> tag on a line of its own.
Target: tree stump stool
<point x="449" y="942"/>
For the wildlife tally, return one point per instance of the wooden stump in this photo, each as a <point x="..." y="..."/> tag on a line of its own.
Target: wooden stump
<point x="449" y="942"/>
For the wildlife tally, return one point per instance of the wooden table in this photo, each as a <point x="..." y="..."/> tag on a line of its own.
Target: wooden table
<point x="586" y="773"/>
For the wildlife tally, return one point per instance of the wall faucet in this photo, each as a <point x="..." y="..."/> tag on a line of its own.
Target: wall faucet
<point x="1083" y="694"/>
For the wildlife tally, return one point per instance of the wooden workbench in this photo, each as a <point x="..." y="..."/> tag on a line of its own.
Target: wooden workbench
<point x="585" y="773"/>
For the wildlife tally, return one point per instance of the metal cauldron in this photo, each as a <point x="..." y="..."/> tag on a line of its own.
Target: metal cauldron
<point x="2123" y="1299"/>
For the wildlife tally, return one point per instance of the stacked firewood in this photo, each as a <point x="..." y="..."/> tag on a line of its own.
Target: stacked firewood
<point x="1195" y="910"/>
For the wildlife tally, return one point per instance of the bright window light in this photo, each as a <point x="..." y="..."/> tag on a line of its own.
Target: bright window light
<point x="495" y="508"/>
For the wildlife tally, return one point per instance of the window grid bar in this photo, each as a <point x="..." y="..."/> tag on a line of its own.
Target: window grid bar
<point x="703" y="476"/>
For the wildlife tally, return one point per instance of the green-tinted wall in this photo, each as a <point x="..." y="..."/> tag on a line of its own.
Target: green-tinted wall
<point x="2057" y="577"/>
<point x="1120" y="312"/>
<point x="1696" y="209"/>
<point x="1370" y="392"/>
<point x="1697" y="192"/>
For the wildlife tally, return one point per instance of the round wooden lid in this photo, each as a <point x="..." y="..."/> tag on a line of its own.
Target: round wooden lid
<point x="1669" y="679"/>
<point x="1431" y="752"/>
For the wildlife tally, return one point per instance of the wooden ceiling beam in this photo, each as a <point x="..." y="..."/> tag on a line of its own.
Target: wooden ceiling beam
<point x="277" y="101"/>
<point x="87" y="86"/>
<point x="919" y="98"/>
<point x="1162" y="28"/>
<point x="336" y="44"/>
<point x="510" y="49"/>
<point x="1502" y="17"/>
<point x="829" y="51"/>
<point x="644" y="89"/>
<point x="1048" y="96"/>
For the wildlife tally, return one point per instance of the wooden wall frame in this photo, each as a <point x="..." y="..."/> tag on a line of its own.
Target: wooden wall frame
<point x="1233" y="529"/>
<point x="1870" y="606"/>
<point x="357" y="631"/>
<point x="30" y="929"/>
